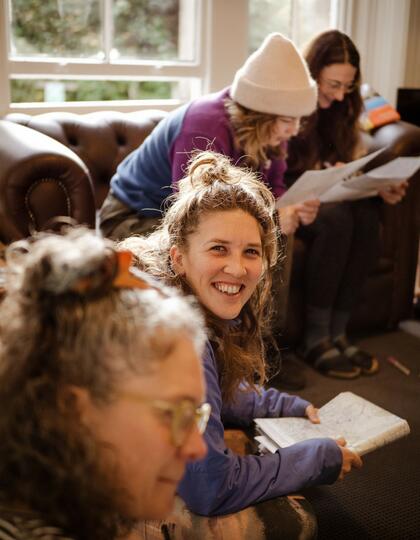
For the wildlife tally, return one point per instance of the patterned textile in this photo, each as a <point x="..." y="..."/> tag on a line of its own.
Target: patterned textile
<point x="283" y="518"/>
<point x="21" y="527"/>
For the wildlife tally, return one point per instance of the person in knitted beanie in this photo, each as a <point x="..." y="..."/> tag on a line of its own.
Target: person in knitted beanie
<point x="250" y="122"/>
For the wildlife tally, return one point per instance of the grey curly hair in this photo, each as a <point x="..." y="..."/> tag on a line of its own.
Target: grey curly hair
<point x="52" y="336"/>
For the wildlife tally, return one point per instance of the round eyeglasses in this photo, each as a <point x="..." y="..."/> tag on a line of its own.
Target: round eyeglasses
<point x="183" y="415"/>
<point x="348" y="88"/>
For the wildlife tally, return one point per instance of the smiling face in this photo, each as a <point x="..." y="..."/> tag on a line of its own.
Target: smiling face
<point x="137" y="436"/>
<point x="222" y="261"/>
<point x="283" y="129"/>
<point x="334" y="82"/>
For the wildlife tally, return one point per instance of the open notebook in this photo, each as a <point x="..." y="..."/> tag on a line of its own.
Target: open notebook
<point x="365" y="426"/>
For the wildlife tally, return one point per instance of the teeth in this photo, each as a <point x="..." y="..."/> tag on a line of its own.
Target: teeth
<point x="228" y="289"/>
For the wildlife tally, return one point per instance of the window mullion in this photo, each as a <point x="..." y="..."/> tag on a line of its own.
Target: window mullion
<point x="4" y="58"/>
<point x="89" y="69"/>
<point x="108" y="28"/>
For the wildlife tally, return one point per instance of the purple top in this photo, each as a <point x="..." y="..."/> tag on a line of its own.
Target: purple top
<point x="224" y="482"/>
<point x="144" y="178"/>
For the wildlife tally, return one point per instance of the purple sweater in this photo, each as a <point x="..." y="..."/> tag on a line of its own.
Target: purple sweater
<point x="224" y="482"/>
<point x="144" y="178"/>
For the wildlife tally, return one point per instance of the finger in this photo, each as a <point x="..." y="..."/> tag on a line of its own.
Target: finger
<point x="341" y="441"/>
<point x="312" y="203"/>
<point x="312" y="414"/>
<point x="357" y="461"/>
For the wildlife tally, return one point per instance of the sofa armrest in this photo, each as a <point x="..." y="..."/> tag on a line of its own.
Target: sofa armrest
<point x="399" y="139"/>
<point x="390" y="287"/>
<point x="39" y="179"/>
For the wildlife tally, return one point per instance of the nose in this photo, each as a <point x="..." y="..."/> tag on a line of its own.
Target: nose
<point x="339" y="94"/>
<point x="235" y="267"/>
<point x="295" y="126"/>
<point x="194" y="447"/>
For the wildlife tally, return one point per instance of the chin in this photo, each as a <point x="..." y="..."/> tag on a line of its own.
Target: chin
<point x="326" y="103"/>
<point x="227" y="314"/>
<point x="155" y="510"/>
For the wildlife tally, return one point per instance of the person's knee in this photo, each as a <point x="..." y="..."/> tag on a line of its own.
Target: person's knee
<point x="117" y="221"/>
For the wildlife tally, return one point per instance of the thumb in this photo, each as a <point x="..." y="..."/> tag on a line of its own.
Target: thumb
<point x="341" y="441"/>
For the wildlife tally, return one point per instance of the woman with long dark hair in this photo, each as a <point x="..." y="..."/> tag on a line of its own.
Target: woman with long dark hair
<point x="343" y="241"/>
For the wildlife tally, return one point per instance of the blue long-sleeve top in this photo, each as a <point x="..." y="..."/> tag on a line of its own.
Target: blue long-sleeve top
<point x="224" y="482"/>
<point x="145" y="178"/>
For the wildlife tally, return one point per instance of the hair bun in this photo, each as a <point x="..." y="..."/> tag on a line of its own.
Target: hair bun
<point x="206" y="168"/>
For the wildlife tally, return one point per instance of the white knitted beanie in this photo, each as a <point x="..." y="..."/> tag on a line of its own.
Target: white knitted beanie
<point x="275" y="79"/>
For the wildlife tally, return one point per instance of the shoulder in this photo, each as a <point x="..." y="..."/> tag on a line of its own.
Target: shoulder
<point x="209" y="107"/>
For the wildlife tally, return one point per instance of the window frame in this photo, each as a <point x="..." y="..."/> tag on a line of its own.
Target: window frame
<point x="93" y="69"/>
<point x="219" y="55"/>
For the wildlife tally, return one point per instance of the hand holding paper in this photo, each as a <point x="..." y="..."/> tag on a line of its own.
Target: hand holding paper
<point x="346" y="182"/>
<point x="394" y="194"/>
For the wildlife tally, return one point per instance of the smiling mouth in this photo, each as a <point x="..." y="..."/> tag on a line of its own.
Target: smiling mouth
<point x="228" y="289"/>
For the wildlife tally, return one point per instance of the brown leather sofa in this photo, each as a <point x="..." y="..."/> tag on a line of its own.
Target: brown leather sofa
<point x="41" y="177"/>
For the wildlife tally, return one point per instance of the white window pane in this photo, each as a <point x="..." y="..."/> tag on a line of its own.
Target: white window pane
<point x="154" y="29"/>
<point x="310" y="17"/>
<point x="267" y="16"/>
<point x="56" y="28"/>
<point x="299" y="20"/>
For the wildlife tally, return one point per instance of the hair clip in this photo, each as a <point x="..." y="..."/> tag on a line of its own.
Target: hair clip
<point x="124" y="277"/>
<point x="115" y="272"/>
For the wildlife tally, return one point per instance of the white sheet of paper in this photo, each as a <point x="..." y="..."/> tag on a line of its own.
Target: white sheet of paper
<point x="312" y="184"/>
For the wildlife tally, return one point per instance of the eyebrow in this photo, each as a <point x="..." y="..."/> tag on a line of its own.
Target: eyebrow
<point x="226" y="242"/>
<point x="184" y="397"/>
<point x="336" y="81"/>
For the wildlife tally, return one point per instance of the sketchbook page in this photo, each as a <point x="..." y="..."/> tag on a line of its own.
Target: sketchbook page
<point x="365" y="426"/>
<point x="266" y="445"/>
<point x="312" y="184"/>
<point x="287" y="431"/>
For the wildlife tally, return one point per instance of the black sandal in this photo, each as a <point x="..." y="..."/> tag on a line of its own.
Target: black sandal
<point x="329" y="361"/>
<point x="364" y="360"/>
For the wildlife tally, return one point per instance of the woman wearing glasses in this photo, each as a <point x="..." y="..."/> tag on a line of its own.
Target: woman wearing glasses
<point x="96" y="427"/>
<point x="343" y="240"/>
<point x="218" y="242"/>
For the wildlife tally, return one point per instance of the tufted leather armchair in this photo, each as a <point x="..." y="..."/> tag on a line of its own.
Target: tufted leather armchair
<point x="83" y="151"/>
<point x="39" y="180"/>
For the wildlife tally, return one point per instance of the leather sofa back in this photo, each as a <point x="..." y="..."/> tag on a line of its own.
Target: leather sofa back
<point x="101" y="139"/>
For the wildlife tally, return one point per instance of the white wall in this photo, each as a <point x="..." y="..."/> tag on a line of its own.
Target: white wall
<point x="227" y="41"/>
<point x="380" y="30"/>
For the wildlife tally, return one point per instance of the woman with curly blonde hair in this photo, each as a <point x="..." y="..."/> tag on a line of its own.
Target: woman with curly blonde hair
<point x="95" y="425"/>
<point x="218" y="241"/>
